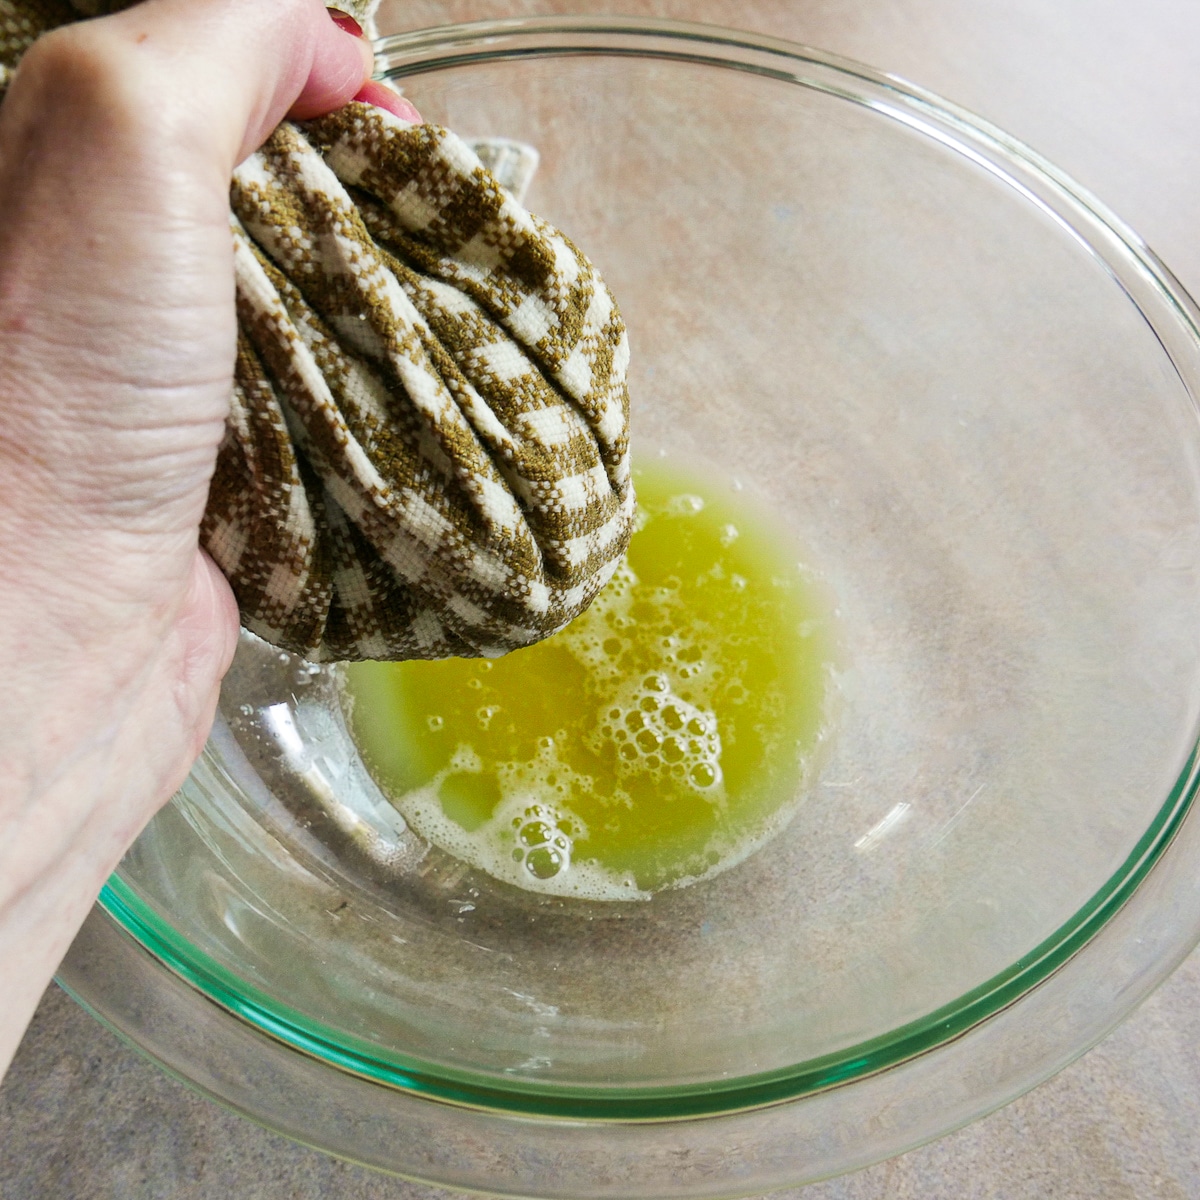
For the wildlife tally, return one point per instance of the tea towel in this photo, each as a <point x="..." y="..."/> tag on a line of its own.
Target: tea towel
<point x="427" y="450"/>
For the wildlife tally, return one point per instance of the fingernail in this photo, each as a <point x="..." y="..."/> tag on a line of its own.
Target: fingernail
<point x="382" y="96"/>
<point x="345" y="22"/>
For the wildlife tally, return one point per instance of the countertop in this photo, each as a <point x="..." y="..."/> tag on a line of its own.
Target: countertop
<point x="1107" y="91"/>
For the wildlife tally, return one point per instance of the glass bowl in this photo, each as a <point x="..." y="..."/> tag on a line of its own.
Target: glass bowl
<point x="968" y="392"/>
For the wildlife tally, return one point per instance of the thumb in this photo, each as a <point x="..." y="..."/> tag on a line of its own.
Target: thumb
<point x="220" y="73"/>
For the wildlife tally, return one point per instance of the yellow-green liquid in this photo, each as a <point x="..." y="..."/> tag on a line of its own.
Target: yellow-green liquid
<point x="658" y="739"/>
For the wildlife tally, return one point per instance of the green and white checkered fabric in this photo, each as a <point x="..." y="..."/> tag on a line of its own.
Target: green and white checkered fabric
<point x="427" y="451"/>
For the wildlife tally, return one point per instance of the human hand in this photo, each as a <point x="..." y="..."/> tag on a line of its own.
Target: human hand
<point x="117" y="333"/>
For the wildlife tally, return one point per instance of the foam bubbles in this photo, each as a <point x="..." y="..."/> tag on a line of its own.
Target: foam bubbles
<point x="685" y="504"/>
<point x="530" y="838"/>
<point x="658" y="733"/>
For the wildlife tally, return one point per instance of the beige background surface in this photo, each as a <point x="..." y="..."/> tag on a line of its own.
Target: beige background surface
<point x="1105" y="89"/>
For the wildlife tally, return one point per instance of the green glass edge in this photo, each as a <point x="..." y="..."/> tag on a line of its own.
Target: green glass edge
<point x="693" y="1100"/>
<point x="360" y="1057"/>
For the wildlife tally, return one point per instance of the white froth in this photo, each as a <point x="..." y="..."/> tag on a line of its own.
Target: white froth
<point x="529" y="840"/>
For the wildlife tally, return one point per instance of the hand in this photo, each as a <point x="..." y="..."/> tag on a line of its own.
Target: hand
<point x="117" y="331"/>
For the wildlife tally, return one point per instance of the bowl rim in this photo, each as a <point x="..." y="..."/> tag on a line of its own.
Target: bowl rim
<point x="1130" y="264"/>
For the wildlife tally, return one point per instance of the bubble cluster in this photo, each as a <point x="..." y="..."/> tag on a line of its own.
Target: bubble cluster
<point x="658" y="733"/>
<point x="635" y="630"/>
<point x="662" y="722"/>
<point x="304" y="673"/>
<point x="685" y="504"/>
<point x="530" y="838"/>
<point x="600" y="637"/>
<point x="543" y="841"/>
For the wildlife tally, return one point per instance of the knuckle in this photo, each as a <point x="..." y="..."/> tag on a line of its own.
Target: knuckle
<point x="90" y="76"/>
<point x="77" y="59"/>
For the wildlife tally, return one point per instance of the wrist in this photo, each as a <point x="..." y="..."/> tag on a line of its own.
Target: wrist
<point x="104" y="710"/>
<point x="94" y="736"/>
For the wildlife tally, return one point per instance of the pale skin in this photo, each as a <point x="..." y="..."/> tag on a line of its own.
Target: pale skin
<point x="117" y="141"/>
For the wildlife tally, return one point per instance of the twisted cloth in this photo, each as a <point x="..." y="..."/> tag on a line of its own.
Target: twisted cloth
<point x="427" y="449"/>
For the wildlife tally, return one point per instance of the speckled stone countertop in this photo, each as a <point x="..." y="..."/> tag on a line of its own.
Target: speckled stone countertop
<point x="1104" y="89"/>
<point x="82" y="1117"/>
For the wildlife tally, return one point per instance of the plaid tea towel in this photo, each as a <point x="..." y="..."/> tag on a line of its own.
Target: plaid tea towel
<point x="427" y="450"/>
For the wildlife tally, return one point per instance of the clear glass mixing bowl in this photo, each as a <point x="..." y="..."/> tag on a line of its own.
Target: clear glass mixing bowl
<point x="968" y="391"/>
